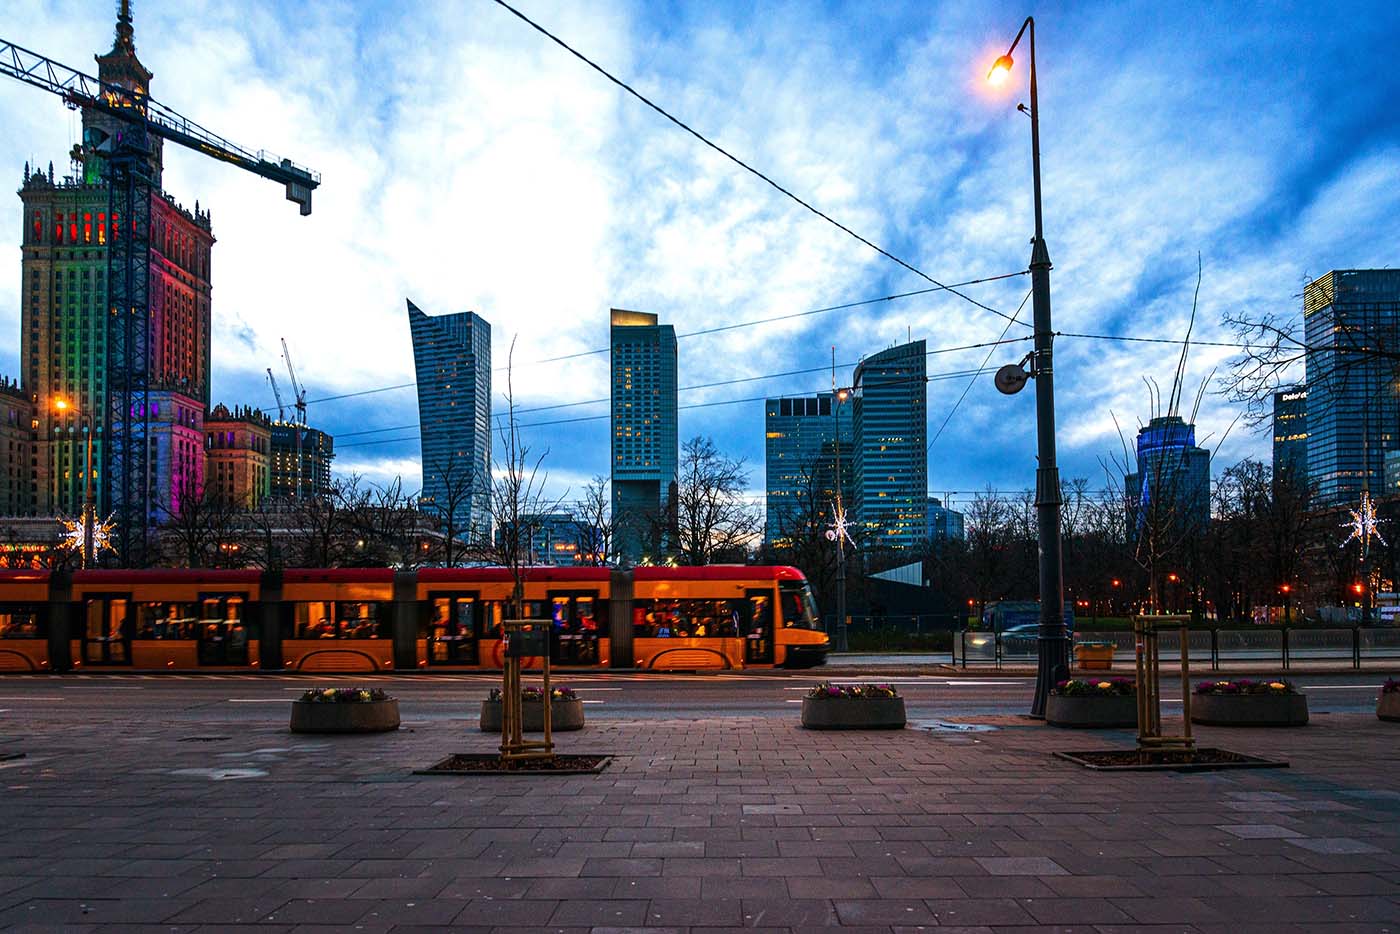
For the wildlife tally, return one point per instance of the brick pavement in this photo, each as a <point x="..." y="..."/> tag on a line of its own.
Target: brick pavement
<point x="701" y="825"/>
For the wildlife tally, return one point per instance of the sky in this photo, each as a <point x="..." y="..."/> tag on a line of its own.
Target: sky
<point x="470" y="164"/>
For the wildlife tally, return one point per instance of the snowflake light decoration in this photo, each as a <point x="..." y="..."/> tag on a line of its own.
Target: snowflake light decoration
<point x="840" y="529"/>
<point x="74" y="534"/>
<point x="1363" y="525"/>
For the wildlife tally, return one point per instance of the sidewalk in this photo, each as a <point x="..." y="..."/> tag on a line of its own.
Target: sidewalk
<point x="894" y="664"/>
<point x="697" y="824"/>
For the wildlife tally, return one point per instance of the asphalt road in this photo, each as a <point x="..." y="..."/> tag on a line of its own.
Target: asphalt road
<point x="251" y="699"/>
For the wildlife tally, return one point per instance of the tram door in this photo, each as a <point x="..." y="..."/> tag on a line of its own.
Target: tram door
<point x="107" y="630"/>
<point x="454" y="629"/>
<point x="575" y="628"/>
<point x="758" y="627"/>
<point x="221" y="630"/>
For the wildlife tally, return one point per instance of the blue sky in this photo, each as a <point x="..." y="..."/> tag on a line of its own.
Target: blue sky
<point x="471" y="165"/>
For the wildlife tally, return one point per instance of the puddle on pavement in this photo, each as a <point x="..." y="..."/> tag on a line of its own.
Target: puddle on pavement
<point x="220" y="775"/>
<point x="944" y="726"/>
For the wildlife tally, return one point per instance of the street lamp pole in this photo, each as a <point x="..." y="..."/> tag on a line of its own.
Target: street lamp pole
<point x="1054" y="641"/>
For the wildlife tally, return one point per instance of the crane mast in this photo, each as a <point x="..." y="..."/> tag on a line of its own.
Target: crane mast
<point x="299" y="397"/>
<point x="277" y="394"/>
<point x="124" y="154"/>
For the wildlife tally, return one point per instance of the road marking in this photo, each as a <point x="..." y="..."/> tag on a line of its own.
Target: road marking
<point x="597" y="689"/>
<point x="961" y="682"/>
<point x="257" y="700"/>
<point x="100" y="687"/>
<point x="24" y="697"/>
<point x="1340" y="687"/>
<point x="792" y="701"/>
<point x="592" y="702"/>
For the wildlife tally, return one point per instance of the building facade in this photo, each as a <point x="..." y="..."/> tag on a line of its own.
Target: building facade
<point x="1291" y="433"/>
<point x="238" y="455"/>
<point x="944" y="524"/>
<point x="645" y="430"/>
<point x="69" y="228"/>
<point x="557" y="539"/>
<point x="1169" y="495"/>
<point x="18" y="467"/>
<point x="891" y="447"/>
<point x="301" y="461"/>
<point x="452" y="361"/>
<point x="805" y="438"/>
<point x="1351" y="322"/>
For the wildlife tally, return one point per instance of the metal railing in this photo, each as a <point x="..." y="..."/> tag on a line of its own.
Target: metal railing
<point x="1281" y="645"/>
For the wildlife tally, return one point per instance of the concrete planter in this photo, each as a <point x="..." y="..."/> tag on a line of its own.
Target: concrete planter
<point x="1249" y="709"/>
<point x="370" y="717"/>
<point x="1092" y="711"/>
<point x="565" y="716"/>
<point x="1388" y="706"/>
<point x="853" y="713"/>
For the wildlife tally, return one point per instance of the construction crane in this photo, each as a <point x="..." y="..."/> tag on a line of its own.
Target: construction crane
<point x="277" y="394"/>
<point x="124" y="153"/>
<point x="299" y="401"/>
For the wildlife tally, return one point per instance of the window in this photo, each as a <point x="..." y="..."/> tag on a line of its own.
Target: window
<point x="685" y="619"/>
<point x="338" y="620"/>
<point x="22" y="621"/>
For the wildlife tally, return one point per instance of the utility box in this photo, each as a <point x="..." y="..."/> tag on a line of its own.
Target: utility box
<point x="528" y="640"/>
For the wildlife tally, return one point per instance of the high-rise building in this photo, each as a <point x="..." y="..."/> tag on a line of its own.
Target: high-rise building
<point x="891" y="447"/>
<point x="1351" y="324"/>
<point x="1169" y="495"/>
<point x="69" y="228"/>
<point x="238" y="455"/>
<point x="18" y="483"/>
<point x="452" y="360"/>
<point x="944" y="524"/>
<point x="803" y="437"/>
<point x="557" y="539"/>
<point x="1291" y="432"/>
<point x="301" y="461"/>
<point x="645" y="439"/>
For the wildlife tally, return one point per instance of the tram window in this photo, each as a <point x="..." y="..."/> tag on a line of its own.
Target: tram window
<point x="166" y="621"/>
<point x="22" y="621"/>
<point x="685" y="619"/>
<point x="451" y="618"/>
<point x="799" y="608"/>
<point x="336" y="619"/>
<point x="106" y="619"/>
<point x="586" y="610"/>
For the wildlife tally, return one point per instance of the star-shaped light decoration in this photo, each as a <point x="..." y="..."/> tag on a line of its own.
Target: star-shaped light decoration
<point x="1363" y="525"/>
<point x="840" y="529"/>
<point x="74" y="533"/>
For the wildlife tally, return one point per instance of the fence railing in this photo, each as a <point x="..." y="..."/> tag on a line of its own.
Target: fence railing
<point x="1284" y="646"/>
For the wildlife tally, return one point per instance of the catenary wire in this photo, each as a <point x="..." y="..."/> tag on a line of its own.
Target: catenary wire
<point x="735" y="159"/>
<point x="968" y="388"/>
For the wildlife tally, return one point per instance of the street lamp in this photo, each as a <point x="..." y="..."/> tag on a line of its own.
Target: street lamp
<point x="1054" y="641"/>
<point x="89" y="502"/>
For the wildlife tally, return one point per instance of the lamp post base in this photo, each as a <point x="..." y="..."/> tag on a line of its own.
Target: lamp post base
<point x="1052" y="668"/>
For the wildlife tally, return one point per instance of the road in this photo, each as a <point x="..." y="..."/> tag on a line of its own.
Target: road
<point x="256" y="699"/>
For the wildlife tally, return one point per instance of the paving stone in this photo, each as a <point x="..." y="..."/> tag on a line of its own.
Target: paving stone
<point x="1020" y="866"/>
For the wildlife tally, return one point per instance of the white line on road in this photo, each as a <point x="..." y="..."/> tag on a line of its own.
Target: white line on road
<point x="257" y="700"/>
<point x="597" y="689"/>
<point x="592" y="702"/>
<point x="1340" y="687"/>
<point x="16" y="697"/>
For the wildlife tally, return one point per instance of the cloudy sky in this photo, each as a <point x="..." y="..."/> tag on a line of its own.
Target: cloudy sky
<point x="470" y="164"/>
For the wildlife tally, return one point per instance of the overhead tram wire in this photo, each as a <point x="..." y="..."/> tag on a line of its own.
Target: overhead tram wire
<point x="968" y="388"/>
<point x="737" y="161"/>
<point x="935" y="378"/>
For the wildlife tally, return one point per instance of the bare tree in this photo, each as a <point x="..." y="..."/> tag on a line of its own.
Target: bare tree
<point x="989" y="530"/>
<point x="458" y="485"/>
<point x="201" y="529"/>
<point x="713" y="519"/>
<point x="594" y="520"/>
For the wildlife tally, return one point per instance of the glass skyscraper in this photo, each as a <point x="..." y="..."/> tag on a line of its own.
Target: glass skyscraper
<point x="1291" y="432"/>
<point x="801" y="435"/>
<point x="645" y="440"/>
<point x="1171" y="490"/>
<point x="452" y="360"/>
<point x="891" y="447"/>
<point x="1351" y="320"/>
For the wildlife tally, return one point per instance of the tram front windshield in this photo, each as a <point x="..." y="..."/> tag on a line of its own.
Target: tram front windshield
<point x="799" y="607"/>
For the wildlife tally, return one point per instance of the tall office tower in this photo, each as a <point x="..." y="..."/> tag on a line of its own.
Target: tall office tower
<point x="452" y="359"/>
<point x="944" y="524"/>
<point x="805" y="437"/>
<point x="645" y="441"/>
<point x="17" y="470"/>
<point x="891" y="447"/>
<point x="68" y="230"/>
<point x="1351" y="323"/>
<point x="238" y="455"/>
<point x="1169" y="495"/>
<point x="301" y="461"/>
<point x="1291" y="433"/>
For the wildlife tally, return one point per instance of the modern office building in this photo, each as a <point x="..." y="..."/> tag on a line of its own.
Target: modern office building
<point x="1351" y="323"/>
<point x="64" y="341"/>
<point x="1169" y="495"/>
<point x="301" y="461"/>
<point x="645" y="440"/>
<point x="891" y="447"/>
<point x="805" y="437"/>
<point x="944" y="524"/>
<point x="238" y="455"/>
<point x="556" y="540"/>
<point x="18" y="469"/>
<point x="452" y="361"/>
<point x="1291" y="432"/>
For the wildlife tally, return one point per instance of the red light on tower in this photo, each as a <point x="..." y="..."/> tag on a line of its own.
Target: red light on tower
<point x="1358" y="588"/>
<point x="1285" y="588"/>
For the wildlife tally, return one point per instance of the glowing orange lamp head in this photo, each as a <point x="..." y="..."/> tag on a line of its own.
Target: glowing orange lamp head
<point x="1001" y="70"/>
<point x="61" y="405"/>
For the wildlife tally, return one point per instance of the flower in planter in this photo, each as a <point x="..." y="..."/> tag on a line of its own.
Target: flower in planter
<point x="1111" y="687"/>
<point x="534" y="694"/>
<point x="344" y="696"/>
<point x="1391" y="686"/>
<point x="1246" y="686"/>
<point x="828" y="690"/>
